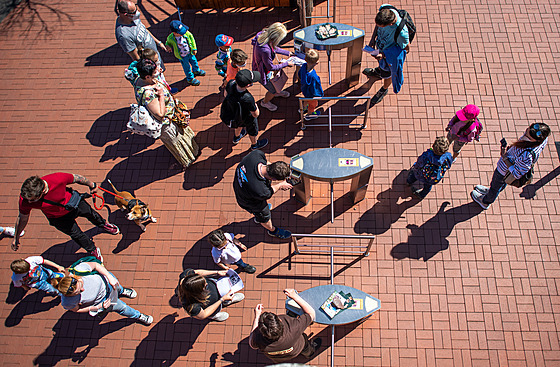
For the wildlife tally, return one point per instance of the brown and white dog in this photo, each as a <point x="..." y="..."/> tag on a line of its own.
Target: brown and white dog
<point x="135" y="209"/>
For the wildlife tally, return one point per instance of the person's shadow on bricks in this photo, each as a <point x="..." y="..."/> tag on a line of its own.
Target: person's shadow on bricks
<point x="387" y="210"/>
<point x="245" y="356"/>
<point x="431" y="237"/>
<point x="530" y="191"/>
<point x="168" y="340"/>
<point x="31" y="304"/>
<point x="74" y="331"/>
<point x="110" y="127"/>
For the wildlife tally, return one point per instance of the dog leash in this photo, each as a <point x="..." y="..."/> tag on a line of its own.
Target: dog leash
<point x="95" y="195"/>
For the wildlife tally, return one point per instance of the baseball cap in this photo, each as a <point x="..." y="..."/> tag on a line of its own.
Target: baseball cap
<point x="178" y="27"/>
<point x="223" y="40"/>
<point x="245" y="77"/>
<point x="468" y="112"/>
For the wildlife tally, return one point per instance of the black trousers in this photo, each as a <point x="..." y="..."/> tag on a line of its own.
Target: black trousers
<point x="67" y="224"/>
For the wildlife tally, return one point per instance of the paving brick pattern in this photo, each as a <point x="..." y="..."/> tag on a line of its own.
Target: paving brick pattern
<point x="458" y="286"/>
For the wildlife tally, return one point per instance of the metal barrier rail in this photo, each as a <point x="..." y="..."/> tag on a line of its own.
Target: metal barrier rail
<point x="330" y="115"/>
<point x="307" y="18"/>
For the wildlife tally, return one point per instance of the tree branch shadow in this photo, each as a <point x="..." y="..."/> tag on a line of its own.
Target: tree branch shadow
<point x="30" y="14"/>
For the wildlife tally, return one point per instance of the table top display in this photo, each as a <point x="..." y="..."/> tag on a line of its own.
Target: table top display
<point x="330" y="164"/>
<point x="346" y="35"/>
<point x="318" y="297"/>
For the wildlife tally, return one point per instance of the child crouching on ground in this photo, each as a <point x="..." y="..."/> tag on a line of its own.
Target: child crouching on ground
<point x="310" y="84"/>
<point x="237" y="62"/>
<point x="30" y="273"/>
<point x="225" y="251"/>
<point x="430" y="167"/>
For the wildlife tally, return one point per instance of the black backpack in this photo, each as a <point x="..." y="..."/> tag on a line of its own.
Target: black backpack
<point x="231" y="113"/>
<point x="406" y="19"/>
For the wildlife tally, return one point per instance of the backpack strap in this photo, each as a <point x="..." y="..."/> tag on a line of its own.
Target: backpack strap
<point x="399" y="27"/>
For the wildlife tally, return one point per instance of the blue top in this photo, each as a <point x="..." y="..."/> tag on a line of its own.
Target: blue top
<point x="310" y="82"/>
<point x="316" y="296"/>
<point x="386" y="35"/>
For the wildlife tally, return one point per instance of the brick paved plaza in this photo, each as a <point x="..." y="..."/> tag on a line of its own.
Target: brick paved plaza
<point x="458" y="286"/>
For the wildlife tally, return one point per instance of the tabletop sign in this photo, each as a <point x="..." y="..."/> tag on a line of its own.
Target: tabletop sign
<point x="345" y="32"/>
<point x="347" y="162"/>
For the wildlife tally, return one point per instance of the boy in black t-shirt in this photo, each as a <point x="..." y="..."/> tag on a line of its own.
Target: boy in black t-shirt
<point x="253" y="186"/>
<point x="238" y="95"/>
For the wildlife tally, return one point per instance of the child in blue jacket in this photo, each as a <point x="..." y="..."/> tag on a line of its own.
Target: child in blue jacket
<point x="184" y="48"/>
<point x="310" y="84"/>
<point x="430" y="167"/>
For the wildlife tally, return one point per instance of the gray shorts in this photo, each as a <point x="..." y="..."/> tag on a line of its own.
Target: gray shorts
<point x="457" y="145"/>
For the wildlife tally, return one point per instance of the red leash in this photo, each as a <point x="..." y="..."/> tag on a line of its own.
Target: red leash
<point x="95" y="195"/>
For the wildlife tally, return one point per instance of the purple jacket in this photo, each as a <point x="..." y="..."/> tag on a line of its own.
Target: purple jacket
<point x="263" y="57"/>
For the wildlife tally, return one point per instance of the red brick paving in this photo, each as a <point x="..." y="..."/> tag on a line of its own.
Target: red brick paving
<point x="484" y="289"/>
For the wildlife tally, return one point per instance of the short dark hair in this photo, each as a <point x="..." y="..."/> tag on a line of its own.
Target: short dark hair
<point x="146" y="67"/>
<point x="270" y="326"/>
<point x="32" y="188"/>
<point x="385" y="17"/>
<point x="238" y="56"/>
<point x="278" y="170"/>
<point x="121" y="6"/>
<point x="217" y="238"/>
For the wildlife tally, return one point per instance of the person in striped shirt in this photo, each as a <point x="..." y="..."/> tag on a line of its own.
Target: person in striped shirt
<point x="517" y="159"/>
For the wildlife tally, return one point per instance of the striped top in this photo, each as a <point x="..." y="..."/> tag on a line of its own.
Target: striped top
<point x="522" y="158"/>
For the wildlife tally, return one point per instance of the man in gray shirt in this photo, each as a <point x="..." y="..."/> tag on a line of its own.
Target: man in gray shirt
<point x="131" y="33"/>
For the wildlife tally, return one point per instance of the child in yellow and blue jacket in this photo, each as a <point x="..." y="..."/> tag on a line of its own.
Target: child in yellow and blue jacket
<point x="184" y="48"/>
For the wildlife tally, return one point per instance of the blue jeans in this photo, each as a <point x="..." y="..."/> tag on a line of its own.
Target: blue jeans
<point x="43" y="282"/>
<point x="412" y="179"/>
<point x="240" y="263"/>
<point x="496" y="186"/>
<point x="187" y="62"/>
<point x="123" y="309"/>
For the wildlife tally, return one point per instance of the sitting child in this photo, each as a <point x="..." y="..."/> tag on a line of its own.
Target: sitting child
<point x="184" y="48"/>
<point x="223" y="43"/>
<point x="236" y="62"/>
<point x="30" y="273"/>
<point x="225" y="251"/>
<point x="430" y="167"/>
<point x="310" y="84"/>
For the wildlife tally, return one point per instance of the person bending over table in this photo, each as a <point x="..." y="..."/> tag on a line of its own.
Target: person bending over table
<point x="282" y="338"/>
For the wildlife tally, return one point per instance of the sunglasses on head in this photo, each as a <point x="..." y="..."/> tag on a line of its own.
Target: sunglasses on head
<point x="537" y="130"/>
<point x="72" y="288"/>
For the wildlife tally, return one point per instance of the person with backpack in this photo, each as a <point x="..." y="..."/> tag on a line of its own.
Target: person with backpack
<point x="463" y="128"/>
<point x="239" y="110"/>
<point x="515" y="166"/>
<point x="90" y="287"/>
<point x="394" y="30"/>
<point x="430" y="167"/>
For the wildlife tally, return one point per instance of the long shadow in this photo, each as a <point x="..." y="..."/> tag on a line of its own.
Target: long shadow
<point x="530" y="190"/>
<point x="240" y="23"/>
<point x="168" y="340"/>
<point x="431" y="237"/>
<point x="15" y="294"/>
<point x="245" y="356"/>
<point x="66" y="253"/>
<point x="74" y="331"/>
<point x="31" y="304"/>
<point x="112" y="127"/>
<point x="387" y="210"/>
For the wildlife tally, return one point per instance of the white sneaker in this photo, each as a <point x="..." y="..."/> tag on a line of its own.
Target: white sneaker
<point x="478" y="197"/>
<point x="11" y="232"/>
<point x="269" y="106"/>
<point x="220" y="316"/>
<point x="482" y="189"/>
<point x="237" y="297"/>
<point x="283" y="94"/>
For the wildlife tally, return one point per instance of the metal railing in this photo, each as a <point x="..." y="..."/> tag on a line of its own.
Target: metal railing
<point x="330" y="116"/>
<point x="307" y="18"/>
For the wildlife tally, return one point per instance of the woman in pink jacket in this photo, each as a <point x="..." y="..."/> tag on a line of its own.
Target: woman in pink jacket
<point x="265" y="46"/>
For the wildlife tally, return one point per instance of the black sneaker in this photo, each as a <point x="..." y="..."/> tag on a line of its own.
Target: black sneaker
<point x="280" y="233"/>
<point x="381" y="93"/>
<point x="247" y="269"/>
<point x="371" y="74"/>
<point x="236" y="139"/>
<point x="145" y="319"/>
<point x="260" y="144"/>
<point x="129" y="293"/>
